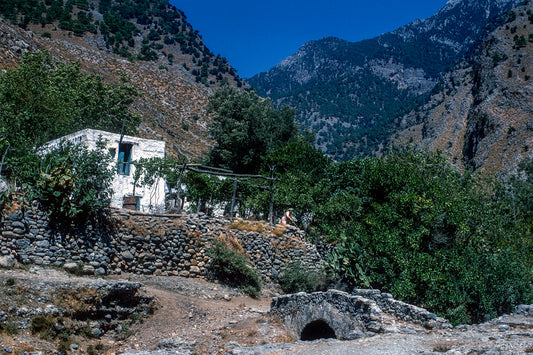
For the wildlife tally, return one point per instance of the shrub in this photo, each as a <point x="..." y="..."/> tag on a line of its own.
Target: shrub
<point x="44" y="325"/>
<point x="296" y="278"/>
<point x="232" y="268"/>
<point x="412" y="225"/>
<point x="75" y="182"/>
<point x="9" y="328"/>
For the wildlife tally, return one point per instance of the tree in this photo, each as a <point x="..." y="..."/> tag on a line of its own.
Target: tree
<point x="245" y="128"/>
<point x="74" y="183"/>
<point x="412" y="225"/>
<point x="299" y="168"/>
<point x="44" y="100"/>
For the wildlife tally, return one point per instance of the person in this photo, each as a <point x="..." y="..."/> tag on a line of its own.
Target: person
<point x="287" y="217"/>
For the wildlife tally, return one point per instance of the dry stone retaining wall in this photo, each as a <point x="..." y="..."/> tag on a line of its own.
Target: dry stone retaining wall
<point x="147" y="244"/>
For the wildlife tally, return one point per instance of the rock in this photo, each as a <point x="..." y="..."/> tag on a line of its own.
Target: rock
<point x="176" y="343"/>
<point x="42" y="244"/>
<point x="7" y="261"/>
<point x="18" y="224"/>
<point x="524" y="309"/>
<point x="51" y="309"/>
<point x="88" y="270"/>
<point x="127" y="255"/>
<point x="70" y="267"/>
<point x="22" y="243"/>
<point x="74" y="347"/>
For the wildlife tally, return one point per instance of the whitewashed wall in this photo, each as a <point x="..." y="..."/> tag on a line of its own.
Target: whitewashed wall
<point x="152" y="198"/>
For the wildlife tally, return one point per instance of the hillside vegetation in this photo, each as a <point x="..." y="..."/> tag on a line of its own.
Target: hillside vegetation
<point x="480" y="116"/>
<point x="353" y="95"/>
<point x="408" y="222"/>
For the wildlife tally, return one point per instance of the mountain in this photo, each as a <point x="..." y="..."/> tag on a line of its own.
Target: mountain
<point x="148" y="43"/>
<point x="353" y="94"/>
<point x="481" y="114"/>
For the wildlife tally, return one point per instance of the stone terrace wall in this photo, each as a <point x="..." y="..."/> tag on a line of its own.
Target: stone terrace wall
<point x="148" y="244"/>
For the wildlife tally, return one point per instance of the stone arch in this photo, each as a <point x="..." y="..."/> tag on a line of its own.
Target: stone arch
<point x="317" y="329"/>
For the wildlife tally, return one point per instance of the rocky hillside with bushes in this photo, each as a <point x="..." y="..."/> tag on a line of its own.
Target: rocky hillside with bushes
<point x="153" y="48"/>
<point x="352" y="93"/>
<point x="481" y="113"/>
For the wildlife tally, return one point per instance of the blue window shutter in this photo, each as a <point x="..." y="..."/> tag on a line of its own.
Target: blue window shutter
<point x="121" y="166"/>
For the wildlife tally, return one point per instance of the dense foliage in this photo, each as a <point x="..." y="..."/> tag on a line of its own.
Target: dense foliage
<point x="245" y="128"/>
<point x="297" y="278"/>
<point x="412" y="225"/>
<point x="44" y="100"/>
<point x="408" y="223"/>
<point x="74" y="182"/>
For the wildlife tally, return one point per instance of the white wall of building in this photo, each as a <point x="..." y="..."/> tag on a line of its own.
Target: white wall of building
<point x="151" y="198"/>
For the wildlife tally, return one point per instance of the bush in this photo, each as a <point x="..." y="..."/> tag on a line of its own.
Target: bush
<point x="231" y="268"/>
<point x="296" y="278"/>
<point x="75" y="183"/>
<point x="9" y="328"/>
<point x="44" y="325"/>
<point x="412" y="225"/>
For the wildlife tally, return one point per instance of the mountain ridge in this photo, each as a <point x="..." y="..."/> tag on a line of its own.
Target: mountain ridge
<point x="481" y="117"/>
<point x="352" y="93"/>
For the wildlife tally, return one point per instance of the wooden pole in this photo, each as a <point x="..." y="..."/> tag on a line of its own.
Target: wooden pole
<point x="182" y="169"/>
<point x="235" y="181"/>
<point x="271" y="208"/>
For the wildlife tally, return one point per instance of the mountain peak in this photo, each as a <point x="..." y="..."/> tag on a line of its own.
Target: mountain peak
<point x="353" y="93"/>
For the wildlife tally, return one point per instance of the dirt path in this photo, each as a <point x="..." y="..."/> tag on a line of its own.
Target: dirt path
<point x="204" y="318"/>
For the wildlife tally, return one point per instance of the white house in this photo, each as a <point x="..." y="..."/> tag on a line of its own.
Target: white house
<point x="148" y="198"/>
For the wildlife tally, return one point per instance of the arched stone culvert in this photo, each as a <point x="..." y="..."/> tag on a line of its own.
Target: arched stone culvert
<point x="345" y="316"/>
<point x="317" y="329"/>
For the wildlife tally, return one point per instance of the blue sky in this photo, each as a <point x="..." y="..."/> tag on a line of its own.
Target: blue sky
<point x="256" y="35"/>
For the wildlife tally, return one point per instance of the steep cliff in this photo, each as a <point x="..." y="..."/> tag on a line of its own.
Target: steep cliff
<point x="481" y="115"/>
<point x="352" y="94"/>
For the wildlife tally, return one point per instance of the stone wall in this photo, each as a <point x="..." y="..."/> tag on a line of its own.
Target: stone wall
<point x="150" y="244"/>
<point x="362" y="313"/>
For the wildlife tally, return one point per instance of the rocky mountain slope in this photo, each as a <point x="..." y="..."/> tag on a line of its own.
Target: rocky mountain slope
<point x="482" y="113"/>
<point x="352" y="93"/>
<point x="174" y="82"/>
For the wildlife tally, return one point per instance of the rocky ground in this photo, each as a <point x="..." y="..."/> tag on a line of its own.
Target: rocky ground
<point x="174" y="315"/>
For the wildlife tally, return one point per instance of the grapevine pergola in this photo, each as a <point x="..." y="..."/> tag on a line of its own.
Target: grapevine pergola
<point x="236" y="178"/>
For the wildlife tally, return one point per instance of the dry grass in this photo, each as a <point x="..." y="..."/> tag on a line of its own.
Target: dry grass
<point x="252" y="226"/>
<point x="258" y="226"/>
<point x="79" y="300"/>
<point x="231" y="242"/>
<point x="279" y="230"/>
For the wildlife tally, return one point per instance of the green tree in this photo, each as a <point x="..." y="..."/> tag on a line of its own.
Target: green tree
<point x="44" y="100"/>
<point x="299" y="168"/>
<point x="412" y="225"/>
<point x="74" y="183"/>
<point x="245" y="128"/>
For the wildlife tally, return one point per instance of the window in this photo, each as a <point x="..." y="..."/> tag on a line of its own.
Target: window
<point x="124" y="158"/>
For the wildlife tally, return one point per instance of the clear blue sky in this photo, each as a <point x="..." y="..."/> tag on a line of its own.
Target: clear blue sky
<point x="256" y="35"/>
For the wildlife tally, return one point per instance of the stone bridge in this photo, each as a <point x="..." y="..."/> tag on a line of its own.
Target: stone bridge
<point x="347" y="316"/>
